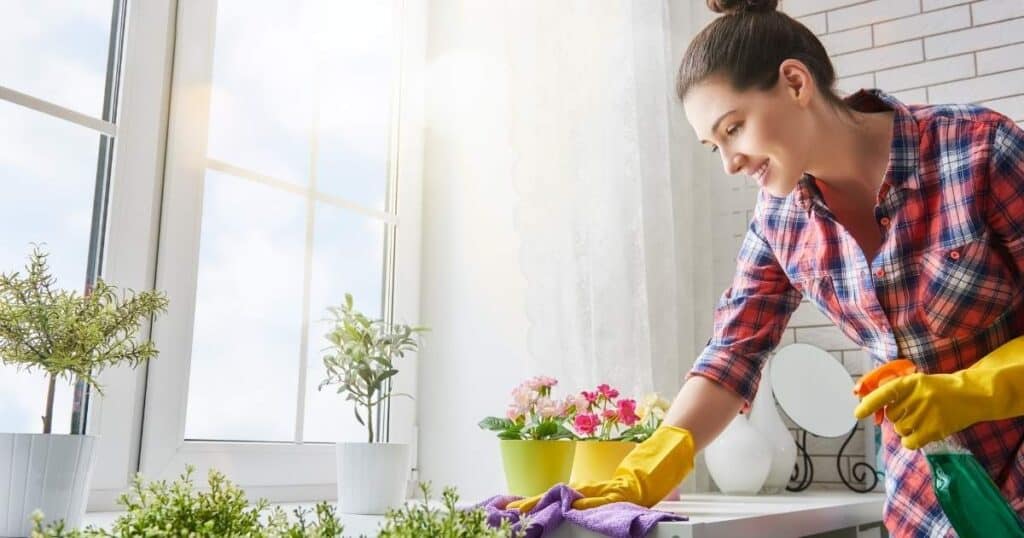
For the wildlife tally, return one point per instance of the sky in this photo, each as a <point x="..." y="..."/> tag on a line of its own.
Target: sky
<point x="280" y="68"/>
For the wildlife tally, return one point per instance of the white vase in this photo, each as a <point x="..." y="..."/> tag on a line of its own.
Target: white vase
<point x="372" y="477"/>
<point x="764" y="416"/>
<point x="739" y="459"/>
<point x="46" y="472"/>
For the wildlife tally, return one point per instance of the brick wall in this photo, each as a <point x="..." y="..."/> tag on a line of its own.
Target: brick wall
<point x="921" y="51"/>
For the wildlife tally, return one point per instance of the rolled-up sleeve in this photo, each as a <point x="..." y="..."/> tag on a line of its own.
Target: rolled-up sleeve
<point x="749" y="318"/>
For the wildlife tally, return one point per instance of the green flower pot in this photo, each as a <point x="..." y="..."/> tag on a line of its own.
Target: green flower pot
<point x="532" y="467"/>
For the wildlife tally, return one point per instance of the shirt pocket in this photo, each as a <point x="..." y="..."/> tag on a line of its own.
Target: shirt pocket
<point x="963" y="288"/>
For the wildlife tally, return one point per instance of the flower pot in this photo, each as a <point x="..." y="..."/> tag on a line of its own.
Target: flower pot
<point x="739" y="459"/>
<point x="597" y="460"/>
<point x="48" y="472"/>
<point x="372" y="477"/>
<point x="532" y="467"/>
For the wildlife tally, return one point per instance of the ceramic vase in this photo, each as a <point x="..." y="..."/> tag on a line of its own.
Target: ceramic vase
<point x="43" y="471"/>
<point x="372" y="477"/>
<point x="764" y="416"/>
<point x="739" y="459"/>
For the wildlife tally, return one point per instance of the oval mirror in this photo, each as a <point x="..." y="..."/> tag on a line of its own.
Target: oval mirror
<point x="814" y="389"/>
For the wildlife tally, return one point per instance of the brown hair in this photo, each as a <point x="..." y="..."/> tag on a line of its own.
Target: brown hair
<point x="746" y="46"/>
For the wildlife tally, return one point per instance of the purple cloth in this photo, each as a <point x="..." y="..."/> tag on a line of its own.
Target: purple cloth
<point x="618" y="520"/>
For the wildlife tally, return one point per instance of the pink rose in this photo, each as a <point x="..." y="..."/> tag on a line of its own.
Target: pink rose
<point x="586" y="423"/>
<point x="627" y="412"/>
<point x="607" y="391"/>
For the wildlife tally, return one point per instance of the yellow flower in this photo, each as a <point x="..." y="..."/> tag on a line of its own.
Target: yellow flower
<point x="654" y="404"/>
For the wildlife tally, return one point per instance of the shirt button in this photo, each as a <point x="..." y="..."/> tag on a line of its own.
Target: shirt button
<point x="884" y="221"/>
<point x="879" y="273"/>
<point x="955" y="255"/>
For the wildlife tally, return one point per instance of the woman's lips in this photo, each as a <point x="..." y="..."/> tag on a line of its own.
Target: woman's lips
<point x="761" y="174"/>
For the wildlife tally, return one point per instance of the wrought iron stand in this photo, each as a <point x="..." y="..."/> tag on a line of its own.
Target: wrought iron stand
<point x="803" y="470"/>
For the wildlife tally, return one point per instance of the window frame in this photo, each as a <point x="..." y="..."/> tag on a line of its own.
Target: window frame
<point x="289" y="471"/>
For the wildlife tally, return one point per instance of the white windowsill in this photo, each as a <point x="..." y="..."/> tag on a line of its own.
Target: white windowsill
<point x="712" y="515"/>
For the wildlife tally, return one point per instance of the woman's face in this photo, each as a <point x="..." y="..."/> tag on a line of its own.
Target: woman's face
<point x="761" y="133"/>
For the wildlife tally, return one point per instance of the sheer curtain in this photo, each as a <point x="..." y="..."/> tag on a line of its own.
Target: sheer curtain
<point x="589" y="90"/>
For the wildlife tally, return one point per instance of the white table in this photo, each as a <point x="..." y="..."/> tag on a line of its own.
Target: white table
<point x="712" y="515"/>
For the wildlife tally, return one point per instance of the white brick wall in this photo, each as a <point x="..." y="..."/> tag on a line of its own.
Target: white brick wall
<point x="921" y="51"/>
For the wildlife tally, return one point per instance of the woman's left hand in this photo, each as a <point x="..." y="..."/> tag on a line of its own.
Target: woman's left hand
<point x="929" y="407"/>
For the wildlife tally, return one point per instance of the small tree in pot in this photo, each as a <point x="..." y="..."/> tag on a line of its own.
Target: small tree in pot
<point x="66" y="335"/>
<point x="360" y="362"/>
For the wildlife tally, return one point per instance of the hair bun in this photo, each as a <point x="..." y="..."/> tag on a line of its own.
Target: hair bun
<point x="733" y="7"/>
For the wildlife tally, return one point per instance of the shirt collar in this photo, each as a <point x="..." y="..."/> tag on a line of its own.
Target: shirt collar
<point x="903" y="154"/>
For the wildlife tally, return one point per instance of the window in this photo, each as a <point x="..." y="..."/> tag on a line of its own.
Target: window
<point x="280" y="196"/>
<point x="58" y="90"/>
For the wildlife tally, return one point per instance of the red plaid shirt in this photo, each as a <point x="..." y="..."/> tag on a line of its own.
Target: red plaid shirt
<point x="944" y="289"/>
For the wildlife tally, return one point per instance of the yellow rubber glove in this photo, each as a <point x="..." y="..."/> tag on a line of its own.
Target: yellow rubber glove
<point x="645" y="476"/>
<point x="928" y="407"/>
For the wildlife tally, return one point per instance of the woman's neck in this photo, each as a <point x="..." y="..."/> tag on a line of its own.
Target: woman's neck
<point x="853" y="153"/>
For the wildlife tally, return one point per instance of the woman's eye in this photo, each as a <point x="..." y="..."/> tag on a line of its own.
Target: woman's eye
<point x="732" y="129"/>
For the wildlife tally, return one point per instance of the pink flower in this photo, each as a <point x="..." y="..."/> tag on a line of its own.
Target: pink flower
<point x="540" y="382"/>
<point x="607" y="391"/>
<point x="609" y="414"/>
<point x="586" y="423"/>
<point x="627" y="412"/>
<point x="548" y="408"/>
<point x="522" y="397"/>
<point x="513" y="413"/>
<point x="579" y="403"/>
<point x="590" y="396"/>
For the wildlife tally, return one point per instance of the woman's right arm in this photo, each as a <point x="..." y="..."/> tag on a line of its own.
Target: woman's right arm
<point x="704" y="408"/>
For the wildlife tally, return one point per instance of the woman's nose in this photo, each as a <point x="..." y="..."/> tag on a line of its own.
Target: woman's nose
<point x="732" y="163"/>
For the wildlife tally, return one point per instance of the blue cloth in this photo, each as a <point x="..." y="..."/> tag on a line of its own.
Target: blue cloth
<point x="618" y="520"/>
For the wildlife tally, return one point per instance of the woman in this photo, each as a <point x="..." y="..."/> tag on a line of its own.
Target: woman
<point x="902" y="223"/>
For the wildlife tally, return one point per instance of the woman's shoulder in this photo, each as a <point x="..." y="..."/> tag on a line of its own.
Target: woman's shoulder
<point x="938" y="116"/>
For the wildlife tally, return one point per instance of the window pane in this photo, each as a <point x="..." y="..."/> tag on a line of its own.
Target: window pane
<point x="357" y="51"/>
<point x="57" y="50"/>
<point x="347" y="258"/>
<point x="244" y="368"/>
<point x="48" y="174"/>
<point x="261" y="107"/>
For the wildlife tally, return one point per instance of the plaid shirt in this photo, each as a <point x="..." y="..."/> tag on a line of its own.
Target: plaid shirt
<point x="944" y="289"/>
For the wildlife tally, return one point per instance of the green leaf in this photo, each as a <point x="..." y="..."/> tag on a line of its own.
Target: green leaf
<point x="496" y="423"/>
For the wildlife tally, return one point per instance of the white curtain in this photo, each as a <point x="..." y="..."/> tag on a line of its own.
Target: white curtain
<point x="589" y="87"/>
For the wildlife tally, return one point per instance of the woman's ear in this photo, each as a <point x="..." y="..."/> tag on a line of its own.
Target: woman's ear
<point x="796" y="81"/>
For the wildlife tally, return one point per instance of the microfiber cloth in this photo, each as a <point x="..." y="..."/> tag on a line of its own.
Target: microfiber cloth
<point x="618" y="520"/>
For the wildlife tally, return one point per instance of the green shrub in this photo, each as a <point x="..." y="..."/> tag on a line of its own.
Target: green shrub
<point x="162" y="510"/>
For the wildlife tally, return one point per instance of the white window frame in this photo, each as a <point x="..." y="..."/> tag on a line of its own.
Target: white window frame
<point x="131" y="221"/>
<point x="289" y="471"/>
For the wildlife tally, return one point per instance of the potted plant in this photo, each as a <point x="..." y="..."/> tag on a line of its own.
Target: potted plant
<point x="608" y="427"/>
<point x="537" y="447"/>
<point x="66" y="335"/>
<point x="360" y="362"/>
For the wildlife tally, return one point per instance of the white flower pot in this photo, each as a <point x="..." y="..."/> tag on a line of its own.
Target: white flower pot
<point x="372" y="477"/>
<point x="765" y="417"/>
<point x="46" y="472"/>
<point x="739" y="459"/>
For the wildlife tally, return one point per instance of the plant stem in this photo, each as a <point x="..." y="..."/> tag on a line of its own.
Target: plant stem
<point x="369" y="421"/>
<point x="48" y="417"/>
